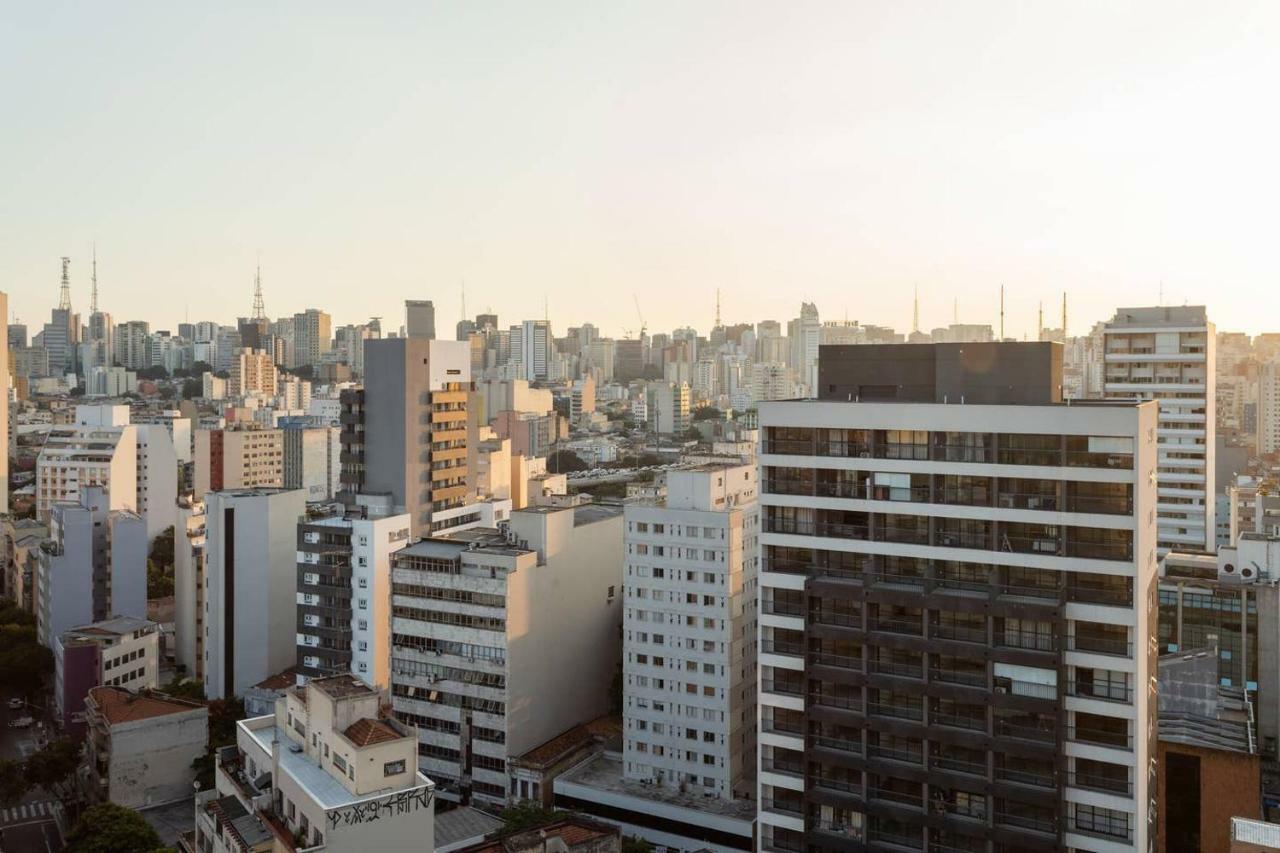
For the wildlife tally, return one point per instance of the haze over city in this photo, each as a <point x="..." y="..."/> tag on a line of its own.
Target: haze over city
<point x="843" y="153"/>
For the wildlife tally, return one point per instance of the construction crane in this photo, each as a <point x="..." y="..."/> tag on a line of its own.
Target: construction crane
<point x="644" y="327"/>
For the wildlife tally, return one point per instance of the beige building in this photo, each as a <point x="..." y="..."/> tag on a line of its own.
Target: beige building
<point x="239" y="458"/>
<point x="75" y="457"/>
<point x="252" y="371"/>
<point x="141" y="745"/>
<point x="326" y="770"/>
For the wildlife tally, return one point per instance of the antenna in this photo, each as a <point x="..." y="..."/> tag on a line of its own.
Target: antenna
<point x="1040" y="323"/>
<point x="93" y="301"/>
<point x="915" y="311"/>
<point x="717" y="308"/>
<point x="259" y="308"/>
<point x="1002" y="312"/>
<point x="64" y="294"/>
<point x="1064" y="316"/>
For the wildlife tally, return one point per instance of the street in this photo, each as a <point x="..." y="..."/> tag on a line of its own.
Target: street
<point x="36" y="823"/>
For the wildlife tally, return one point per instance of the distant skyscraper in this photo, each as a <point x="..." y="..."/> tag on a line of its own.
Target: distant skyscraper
<point x="312" y="337"/>
<point x="530" y="342"/>
<point x="61" y="334"/>
<point x="420" y="319"/>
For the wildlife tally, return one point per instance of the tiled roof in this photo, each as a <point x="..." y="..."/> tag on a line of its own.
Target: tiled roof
<point x="367" y="732"/>
<point x="280" y="680"/>
<point x="565" y="742"/>
<point x="572" y="831"/>
<point x="118" y="705"/>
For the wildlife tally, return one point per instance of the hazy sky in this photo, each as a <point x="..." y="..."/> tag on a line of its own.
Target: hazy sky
<point x="842" y="152"/>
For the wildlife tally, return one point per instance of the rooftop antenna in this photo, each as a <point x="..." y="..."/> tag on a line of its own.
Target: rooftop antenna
<point x="717" y="308"/>
<point x="1064" y="316"/>
<point x="259" y="307"/>
<point x="1040" y="323"/>
<point x="1002" y="312"/>
<point x="915" y="311"/>
<point x="93" y="300"/>
<point x="64" y="294"/>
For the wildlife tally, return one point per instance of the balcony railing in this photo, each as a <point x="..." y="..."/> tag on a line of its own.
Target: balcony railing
<point x="851" y="746"/>
<point x="1025" y="777"/>
<point x="893" y="753"/>
<point x="835" y="700"/>
<point x="909" y="627"/>
<point x="782" y="688"/>
<point x="959" y="765"/>
<point x="902" y="670"/>
<point x="1020" y="731"/>
<point x="1097" y="782"/>
<point x="1101" y="645"/>
<point x="1107" y="691"/>
<point x="1024" y="821"/>
<point x="958" y="721"/>
<point x="901" y="712"/>
<point x="782" y="647"/>
<point x="901" y="798"/>
<point x="1101" y="737"/>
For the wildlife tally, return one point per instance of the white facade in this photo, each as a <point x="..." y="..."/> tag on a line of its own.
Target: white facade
<point x="76" y="457"/>
<point x="188" y="588"/>
<point x="157" y="478"/>
<point x="1168" y="355"/>
<point x="689" y="633"/>
<point x="498" y="645"/>
<point x="1268" y="408"/>
<point x="892" y="519"/>
<point x="250" y="605"/>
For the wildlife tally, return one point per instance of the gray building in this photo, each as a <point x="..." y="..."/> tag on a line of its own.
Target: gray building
<point x="420" y="319"/>
<point x="408" y="434"/>
<point x="92" y="566"/>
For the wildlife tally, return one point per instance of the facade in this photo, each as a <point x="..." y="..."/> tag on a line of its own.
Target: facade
<point x="119" y="652"/>
<point x="326" y="771"/>
<point x="311" y="460"/>
<point x="344" y="593"/>
<point x="420" y="318"/>
<point x="4" y="409"/>
<point x="188" y="588"/>
<point x="141" y="746"/>
<point x="1268" y="408"/>
<point x="407" y="433"/>
<point x="1168" y="354"/>
<point x="92" y="566"/>
<point x="77" y="457"/>
<point x="132" y="337"/>
<point x="958" y="608"/>
<point x="668" y="406"/>
<point x="245" y="457"/>
<point x="250" y="606"/>
<point x="22" y="538"/>
<point x="482" y="626"/>
<point x="252" y="371"/>
<point x="312" y="337"/>
<point x="689" y="630"/>
<point x="157" y="477"/>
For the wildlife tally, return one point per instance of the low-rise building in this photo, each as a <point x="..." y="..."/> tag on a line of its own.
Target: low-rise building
<point x="141" y="745"/>
<point x="326" y="770"/>
<point x="120" y="652"/>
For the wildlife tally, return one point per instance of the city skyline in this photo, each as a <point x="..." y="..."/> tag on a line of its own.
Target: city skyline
<point x="420" y="151"/>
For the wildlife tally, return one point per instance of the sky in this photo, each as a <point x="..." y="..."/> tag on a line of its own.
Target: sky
<point x="579" y="158"/>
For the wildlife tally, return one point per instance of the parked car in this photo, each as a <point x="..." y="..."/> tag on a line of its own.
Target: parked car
<point x="16" y="704"/>
<point x="21" y="723"/>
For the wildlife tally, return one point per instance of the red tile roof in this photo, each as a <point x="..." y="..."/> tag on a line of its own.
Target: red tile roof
<point x="367" y="732"/>
<point x="118" y="705"/>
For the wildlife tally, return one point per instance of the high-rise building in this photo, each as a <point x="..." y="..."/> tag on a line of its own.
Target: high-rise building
<point x="94" y="565"/>
<point x="252" y="371"/>
<point x="250" y="588"/>
<point x="668" y="407"/>
<point x="1167" y="354"/>
<point x="530" y="349"/>
<point x="958" y="614"/>
<point x="311" y="458"/>
<point x="689" y="633"/>
<point x="242" y="457"/>
<point x="805" y="335"/>
<point x="407" y="434"/>
<point x="344" y="592"/>
<point x="76" y="457"/>
<point x="420" y="319"/>
<point x="500" y="642"/>
<point x="312" y="337"/>
<point x="131" y="341"/>
<point x="4" y="406"/>
<point x="188" y="588"/>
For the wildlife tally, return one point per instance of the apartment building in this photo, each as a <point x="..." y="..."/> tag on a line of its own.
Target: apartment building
<point x="312" y="337"/>
<point x="5" y="381"/>
<point x="120" y="652"/>
<point x="188" y="588"/>
<point x="420" y="318"/>
<point x="92" y="566"/>
<point x="239" y="457"/>
<point x="344" y="591"/>
<point x="77" y="457"/>
<point x="250" y="589"/>
<point x="689" y="633"/>
<point x="407" y="432"/>
<point x="500" y="641"/>
<point x="326" y="771"/>
<point x="311" y="458"/>
<point x="957" y="615"/>
<point x="1167" y="354"/>
<point x="252" y="371"/>
<point x="668" y="405"/>
<point x="140" y="746"/>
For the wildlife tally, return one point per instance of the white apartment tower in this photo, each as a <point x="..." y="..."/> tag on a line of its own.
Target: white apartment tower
<point x="1167" y="354"/>
<point x="689" y="633"/>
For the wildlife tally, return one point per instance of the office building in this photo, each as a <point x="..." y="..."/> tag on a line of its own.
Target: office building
<point x="629" y="358"/>
<point x="344" y="592"/>
<point x="250" y="590"/>
<point x="1167" y="354"/>
<point x="252" y="372"/>
<point x="77" y="457"/>
<point x="957" y="620"/>
<point x="499" y="642"/>
<point x="188" y="588"/>
<point x="325" y="771"/>
<point x="141" y="746"/>
<point x="668" y="407"/>
<point x="92" y="566"/>
<point x="420" y="319"/>
<point x="312" y="337"/>
<point x="311" y="458"/>
<point x="131" y="344"/>
<point x="689" y="633"/>
<point x="407" y="433"/>
<point x="120" y="652"/>
<point x="239" y="457"/>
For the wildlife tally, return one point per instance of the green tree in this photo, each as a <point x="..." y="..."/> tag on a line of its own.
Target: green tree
<point x="109" y="828"/>
<point x="13" y="782"/>
<point x="24" y="663"/>
<point x="192" y="388"/>
<point x="160" y="565"/>
<point x="706" y="413"/>
<point x="565" y="461"/>
<point x="527" y="815"/>
<point x="636" y="844"/>
<point x="54" y="764"/>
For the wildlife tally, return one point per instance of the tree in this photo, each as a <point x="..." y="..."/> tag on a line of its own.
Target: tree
<point x="565" y="461"/>
<point x="54" y="764"/>
<point x="13" y="784"/>
<point x="160" y="565"/>
<point x="706" y="413"/>
<point x="155" y="371"/>
<point x="527" y="815"/>
<point x="109" y="828"/>
<point x="24" y="663"/>
<point x="77" y="391"/>
<point x="166" y="392"/>
<point x="636" y="844"/>
<point x="192" y="388"/>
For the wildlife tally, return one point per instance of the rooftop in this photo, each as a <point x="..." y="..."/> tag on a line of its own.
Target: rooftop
<point x="366" y="732"/>
<point x="603" y="772"/>
<point x="572" y="831"/>
<point x="460" y="824"/>
<point x="1196" y="710"/>
<point x="279" y="681"/>
<point x="114" y="627"/>
<point x="249" y="829"/>
<point x="118" y="705"/>
<point x="591" y="513"/>
<point x="341" y="686"/>
<point x="600" y="729"/>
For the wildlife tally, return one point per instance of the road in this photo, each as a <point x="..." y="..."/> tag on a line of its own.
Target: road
<point x="35" y="824"/>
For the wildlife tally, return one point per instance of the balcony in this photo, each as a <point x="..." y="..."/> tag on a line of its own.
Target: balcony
<point x="901" y="670"/>
<point x="845" y="745"/>
<point x="893" y="753"/>
<point x="1101" y="645"/>
<point x="958" y="721"/>
<point x="901" y="712"/>
<point x="834" y="700"/>
<point x="782" y="647"/>
<point x="1022" y="731"/>
<point x="1032" y="823"/>
<point x="1098" y="782"/>
<point x="900" y="798"/>
<point x="1106" y="691"/>
<point x="959" y="765"/>
<point x="1101" y="737"/>
<point x="782" y="688"/>
<point x="1026" y="777"/>
<point x="906" y="627"/>
<point x="832" y="659"/>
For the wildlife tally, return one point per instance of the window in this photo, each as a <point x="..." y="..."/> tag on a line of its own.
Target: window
<point x="364" y="604"/>
<point x="393" y="768"/>
<point x="363" y="624"/>
<point x="364" y="583"/>
<point x="340" y="763"/>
